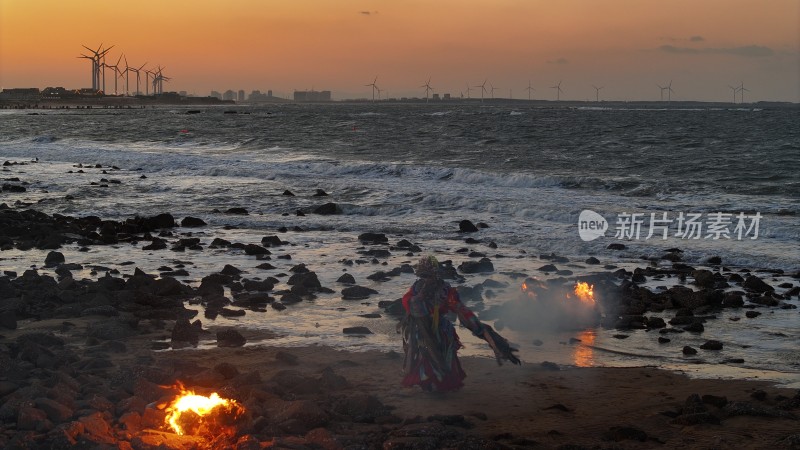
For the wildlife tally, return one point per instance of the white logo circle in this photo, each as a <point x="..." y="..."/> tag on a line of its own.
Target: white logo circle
<point x="591" y="225"/>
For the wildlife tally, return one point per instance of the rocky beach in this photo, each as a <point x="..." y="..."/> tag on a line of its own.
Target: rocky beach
<point x="105" y="321"/>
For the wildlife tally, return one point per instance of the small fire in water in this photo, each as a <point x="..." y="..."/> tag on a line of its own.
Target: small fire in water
<point x="585" y="292"/>
<point x="191" y="410"/>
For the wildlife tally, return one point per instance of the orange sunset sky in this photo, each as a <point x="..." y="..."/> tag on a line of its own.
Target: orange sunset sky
<point x="627" y="46"/>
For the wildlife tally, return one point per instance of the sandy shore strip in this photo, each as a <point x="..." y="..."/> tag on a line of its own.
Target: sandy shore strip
<point x="318" y="397"/>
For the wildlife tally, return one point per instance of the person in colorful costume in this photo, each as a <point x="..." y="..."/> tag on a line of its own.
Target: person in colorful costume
<point x="430" y="341"/>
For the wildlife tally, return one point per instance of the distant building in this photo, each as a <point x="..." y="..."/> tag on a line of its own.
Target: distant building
<point x="240" y="95"/>
<point x="312" y="96"/>
<point x="436" y="97"/>
<point x="183" y="93"/>
<point x="447" y="96"/>
<point x="229" y="95"/>
<point x="57" y="93"/>
<point x="216" y="94"/>
<point x="269" y="93"/>
<point x="21" y="94"/>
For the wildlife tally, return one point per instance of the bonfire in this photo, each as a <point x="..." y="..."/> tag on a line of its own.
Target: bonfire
<point x="211" y="416"/>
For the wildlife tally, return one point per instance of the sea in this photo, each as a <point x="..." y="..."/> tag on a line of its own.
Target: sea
<point x="709" y="181"/>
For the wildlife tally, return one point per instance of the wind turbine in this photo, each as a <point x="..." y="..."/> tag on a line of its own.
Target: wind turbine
<point x="91" y="58"/>
<point x="428" y="88"/>
<point x="95" y="58"/>
<point x="468" y="89"/>
<point x="374" y="87"/>
<point x="116" y="72"/>
<point x="662" y="91"/>
<point x="491" y="86"/>
<point x="735" y="90"/>
<point x="529" y="89"/>
<point x="597" y="92"/>
<point x="558" y="90"/>
<point x="136" y="71"/>
<point x="103" y="55"/>
<point x="741" y="91"/>
<point x="669" y="91"/>
<point x="127" y="75"/>
<point x="483" y="89"/>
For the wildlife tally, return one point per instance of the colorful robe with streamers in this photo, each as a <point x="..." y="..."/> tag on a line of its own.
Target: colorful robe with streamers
<point x="429" y="338"/>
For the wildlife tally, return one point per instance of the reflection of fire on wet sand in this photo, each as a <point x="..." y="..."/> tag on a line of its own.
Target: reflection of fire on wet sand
<point x="584" y="354"/>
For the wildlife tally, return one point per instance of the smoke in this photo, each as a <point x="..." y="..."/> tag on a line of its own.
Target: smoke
<point x="544" y="307"/>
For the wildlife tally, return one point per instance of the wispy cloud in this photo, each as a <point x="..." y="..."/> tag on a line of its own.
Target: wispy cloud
<point x="749" y="51"/>
<point x="697" y="39"/>
<point x="558" y="61"/>
<point x="367" y="13"/>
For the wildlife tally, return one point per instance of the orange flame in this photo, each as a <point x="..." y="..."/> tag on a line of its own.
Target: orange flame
<point x="201" y="406"/>
<point x="585" y="292"/>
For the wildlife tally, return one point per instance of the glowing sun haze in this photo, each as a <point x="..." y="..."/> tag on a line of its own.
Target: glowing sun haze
<point x="626" y="46"/>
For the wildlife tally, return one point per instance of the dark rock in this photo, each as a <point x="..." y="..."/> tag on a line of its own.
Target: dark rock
<point x="377" y="253"/>
<point x="481" y="266"/>
<point x="618" y="434"/>
<point x="356" y="330"/>
<point x="328" y="209"/>
<point x="189" y="222"/>
<point x="300" y="416"/>
<point x="53" y="259"/>
<point x="756" y="284"/>
<point x="156" y="244"/>
<point x="29" y="418"/>
<point x="592" y="260"/>
<point x="237" y="211"/>
<point x="288" y="193"/>
<point x="715" y="400"/>
<point x="307" y="280"/>
<point x="346" y="279"/>
<point x="547" y="365"/>
<point x="548" y="268"/>
<point x="227" y="312"/>
<point x="716" y="260"/>
<point x="663" y="340"/>
<point x="13" y="188"/>
<point x="8" y="319"/>
<point x="320" y="193"/>
<point x="357" y="292"/>
<point x="159" y="221"/>
<point x="465" y="226"/>
<point x="230" y="270"/>
<point x="616" y="246"/>
<point x="373" y="238"/>
<point x="271" y="241"/>
<point x="230" y="338"/>
<point x="329" y="380"/>
<point x="739" y="408"/>
<point x="689" y="350"/>
<point x="733" y="300"/>
<point x="253" y="249"/>
<point x="703" y="278"/>
<point x="712" y="345"/>
<point x="752" y="314"/>
<point x="258" y="286"/>
<point x="55" y="411"/>
<point x="695" y="327"/>
<point x="286" y="357"/>
<point x="183" y="331"/>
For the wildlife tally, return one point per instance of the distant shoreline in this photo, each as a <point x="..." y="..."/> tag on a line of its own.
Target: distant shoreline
<point x="145" y="102"/>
